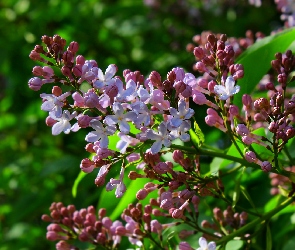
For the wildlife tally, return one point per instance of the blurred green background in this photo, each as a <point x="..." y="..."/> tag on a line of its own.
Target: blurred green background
<point x="37" y="168"/>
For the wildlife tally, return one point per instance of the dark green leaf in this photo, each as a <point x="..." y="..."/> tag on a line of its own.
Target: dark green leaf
<point x="257" y="60"/>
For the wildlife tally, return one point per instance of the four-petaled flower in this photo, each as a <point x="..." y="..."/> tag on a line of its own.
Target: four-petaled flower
<point x="120" y="117"/>
<point x="224" y="92"/>
<point x="182" y="114"/>
<point x="53" y="103"/>
<point x="63" y="122"/>
<point x="118" y="184"/>
<point x="162" y="137"/>
<point x="107" y="78"/>
<point x="101" y="133"/>
<point x="205" y="246"/>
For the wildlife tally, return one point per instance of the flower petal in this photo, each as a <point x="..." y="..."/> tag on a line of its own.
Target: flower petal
<point x="203" y="243"/>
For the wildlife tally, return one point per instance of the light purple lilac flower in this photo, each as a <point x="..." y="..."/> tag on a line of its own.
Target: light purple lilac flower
<point x="225" y="92"/>
<point x="180" y="132"/>
<point x="107" y="78"/>
<point x="63" y="122"/>
<point x="101" y="133"/>
<point x="120" y="117"/>
<point x="118" y="184"/>
<point x="182" y="114"/>
<point x="53" y="103"/>
<point x="205" y="246"/>
<point x="161" y="137"/>
<point x="125" y="141"/>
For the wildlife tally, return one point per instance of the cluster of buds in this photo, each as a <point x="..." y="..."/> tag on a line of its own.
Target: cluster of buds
<point x="238" y="44"/>
<point x="144" y="116"/>
<point x="225" y="221"/>
<point x="67" y="223"/>
<point x="275" y="113"/>
<point x="280" y="183"/>
<point x="287" y="8"/>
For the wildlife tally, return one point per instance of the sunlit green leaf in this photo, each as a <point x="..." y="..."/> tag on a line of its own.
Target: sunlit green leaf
<point x="257" y="60"/>
<point x="76" y="183"/>
<point x="234" y="245"/>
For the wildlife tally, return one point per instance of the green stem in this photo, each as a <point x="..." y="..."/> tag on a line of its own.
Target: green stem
<point x="202" y="151"/>
<point x="255" y="222"/>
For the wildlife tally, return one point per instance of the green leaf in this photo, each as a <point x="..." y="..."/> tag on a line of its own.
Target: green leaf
<point x="76" y="183"/>
<point x="257" y="60"/>
<point x="237" y="191"/>
<point x="234" y="245"/>
<point x="268" y="238"/>
<point x="247" y="196"/>
<point x="283" y="191"/>
<point x="197" y="136"/>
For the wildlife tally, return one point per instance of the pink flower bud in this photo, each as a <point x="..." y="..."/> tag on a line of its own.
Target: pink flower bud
<point x="166" y="204"/>
<point x="199" y="53"/>
<point x="120" y="230"/>
<point x="187" y="92"/>
<point x="184" y="246"/>
<point x="80" y="60"/>
<point x="155" y="78"/>
<point x="179" y="86"/>
<point x="112" y="91"/>
<point x="199" y="98"/>
<point x="35" y="56"/>
<point x="248" y="140"/>
<point x="87" y="165"/>
<point x="247" y="100"/>
<point x="177" y="214"/>
<point x="185" y="194"/>
<point x="56" y="90"/>
<point x="91" y="99"/>
<point x="63" y="245"/>
<point x="250" y="156"/>
<point x="238" y="74"/>
<point x="161" y="168"/>
<point x="177" y="156"/>
<point x="179" y="72"/>
<point x="133" y="157"/>
<point x="211" y="86"/>
<point x="73" y="47"/>
<point x="242" y="130"/>
<point x="266" y="166"/>
<point x="84" y="120"/>
<point x="156" y="226"/>
<point x="77" y="70"/>
<point x="233" y="110"/>
<point x="202" y="82"/>
<point x="47" y="72"/>
<point x="52" y="236"/>
<point x="68" y="57"/>
<point x="200" y="66"/>
<point x="66" y="71"/>
<point x="35" y="83"/>
<point x="37" y="71"/>
<point x="141" y="194"/>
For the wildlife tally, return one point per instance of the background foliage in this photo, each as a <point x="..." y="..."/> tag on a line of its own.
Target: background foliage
<point x="37" y="168"/>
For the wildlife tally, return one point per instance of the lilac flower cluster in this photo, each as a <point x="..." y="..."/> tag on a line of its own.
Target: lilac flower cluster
<point x="67" y="223"/>
<point x="149" y="117"/>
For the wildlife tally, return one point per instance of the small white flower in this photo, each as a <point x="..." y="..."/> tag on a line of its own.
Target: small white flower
<point x="224" y="92"/>
<point x="205" y="246"/>
<point x="63" y="122"/>
<point x="105" y="79"/>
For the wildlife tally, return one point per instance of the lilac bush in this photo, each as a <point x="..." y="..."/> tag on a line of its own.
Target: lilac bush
<point x="151" y="121"/>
